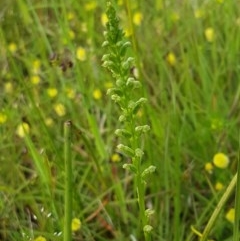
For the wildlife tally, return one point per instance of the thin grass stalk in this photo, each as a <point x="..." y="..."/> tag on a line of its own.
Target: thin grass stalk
<point x="68" y="182"/>
<point x="237" y="205"/>
<point x="218" y="209"/>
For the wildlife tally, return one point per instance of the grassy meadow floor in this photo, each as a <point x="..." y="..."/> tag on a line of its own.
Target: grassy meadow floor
<point x="188" y="61"/>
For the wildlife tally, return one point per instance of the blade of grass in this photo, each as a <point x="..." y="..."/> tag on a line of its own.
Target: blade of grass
<point x="218" y="208"/>
<point x="237" y="205"/>
<point x="68" y="182"/>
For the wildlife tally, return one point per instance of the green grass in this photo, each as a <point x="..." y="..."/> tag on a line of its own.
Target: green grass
<point x="192" y="109"/>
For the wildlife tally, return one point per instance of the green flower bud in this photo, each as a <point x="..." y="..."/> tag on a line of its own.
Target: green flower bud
<point x="116" y="98"/>
<point x="139" y="153"/>
<point x="120" y="82"/>
<point x="148" y="171"/>
<point x="105" y="44"/>
<point x="149" y="212"/>
<point x="105" y="57"/>
<point x="122" y="118"/>
<point x="147" y="228"/>
<point x="123" y="133"/>
<point x="124" y="48"/>
<point x="113" y="91"/>
<point x="130" y="167"/>
<point x="126" y="150"/>
<point x="142" y="129"/>
<point x="131" y="82"/>
<point x="137" y="105"/>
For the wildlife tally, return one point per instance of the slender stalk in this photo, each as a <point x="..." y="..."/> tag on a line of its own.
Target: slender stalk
<point x="218" y="208"/>
<point x="68" y="182"/>
<point x="237" y="206"/>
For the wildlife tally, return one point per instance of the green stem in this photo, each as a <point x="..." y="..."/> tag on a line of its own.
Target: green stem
<point x="68" y="182"/>
<point x="218" y="209"/>
<point x="237" y="207"/>
<point x="141" y="203"/>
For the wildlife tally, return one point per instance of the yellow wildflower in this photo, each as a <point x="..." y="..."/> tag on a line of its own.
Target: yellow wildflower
<point x="36" y="66"/>
<point x="120" y="2"/>
<point x="237" y="22"/>
<point x="35" y="79"/>
<point x="209" y="34"/>
<point x="81" y="54"/>
<point x="71" y="93"/>
<point x="104" y="19"/>
<point x="230" y="215"/>
<point x="175" y="17"/>
<point x="71" y="34"/>
<point x="70" y="16"/>
<point x="216" y="124"/>
<point x="22" y="129"/>
<point x="171" y="58"/>
<point x="219" y="186"/>
<point x="115" y="157"/>
<point x="90" y="6"/>
<point x="108" y="84"/>
<point x="137" y="18"/>
<point x="52" y="92"/>
<point x="84" y="27"/>
<point x="76" y="224"/>
<point x="220" y="160"/>
<point x="97" y="94"/>
<point x="60" y="109"/>
<point x="40" y="238"/>
<point x="3" y="118"/>
<point x="127" y="31"/>
<point x="49" y="121"/>
<point x="12" y="47"/>
<point x="8" y="87"/>
<point x="209" y="167"/>
<point x="198" y="13"/>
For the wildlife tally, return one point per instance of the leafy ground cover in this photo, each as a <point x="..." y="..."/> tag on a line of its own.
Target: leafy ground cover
<point x="187" y="60"/>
